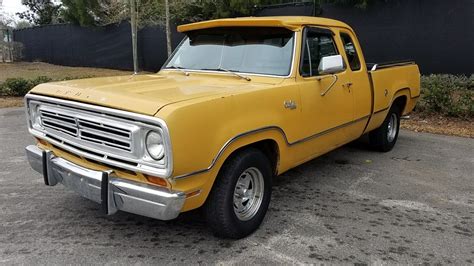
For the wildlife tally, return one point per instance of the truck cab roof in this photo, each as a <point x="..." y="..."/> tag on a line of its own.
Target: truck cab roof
<point x="293" y="23"/>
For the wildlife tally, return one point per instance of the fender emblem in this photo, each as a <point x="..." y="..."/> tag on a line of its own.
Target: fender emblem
<point x="289" y="104"/>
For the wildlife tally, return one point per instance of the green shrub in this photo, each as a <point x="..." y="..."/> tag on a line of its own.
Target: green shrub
<point x="20" y="86"/>
<point x="2" y="90"/>
<point x="449" y="95"/>
<point x="75" y="77"/>
<point x="39" y="80"/>
<point x="16" y="87"/>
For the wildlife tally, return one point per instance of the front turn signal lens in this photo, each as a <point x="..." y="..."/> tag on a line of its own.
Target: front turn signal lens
<point x="157" y="180"/>
<point x="42" y="142"/>
<point x="192" y="194"/>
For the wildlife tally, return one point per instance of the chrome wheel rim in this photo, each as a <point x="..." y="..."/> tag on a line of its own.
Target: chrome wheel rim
<point x="248" y="194"/>
<point x="392" y="128"/>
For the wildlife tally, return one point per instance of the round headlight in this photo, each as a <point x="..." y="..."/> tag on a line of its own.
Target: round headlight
<point x="154" y="145"/>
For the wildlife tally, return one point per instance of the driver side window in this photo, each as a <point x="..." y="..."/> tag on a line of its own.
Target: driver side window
<point x="316" y="45"/>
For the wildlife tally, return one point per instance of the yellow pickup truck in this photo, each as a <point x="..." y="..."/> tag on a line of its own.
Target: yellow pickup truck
<point x="239" y="102"/>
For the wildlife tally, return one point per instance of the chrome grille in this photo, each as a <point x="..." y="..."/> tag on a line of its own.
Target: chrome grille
<point x="99" y="134"/>
<point x="86" y="128"/>
<point x="63" y="123"/>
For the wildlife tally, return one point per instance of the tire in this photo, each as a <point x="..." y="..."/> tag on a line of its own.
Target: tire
<point x="383" y="139"/>
<point x="230" y="211"/>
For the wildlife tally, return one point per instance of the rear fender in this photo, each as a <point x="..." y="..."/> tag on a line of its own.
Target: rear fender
<point x="379" y="116"/>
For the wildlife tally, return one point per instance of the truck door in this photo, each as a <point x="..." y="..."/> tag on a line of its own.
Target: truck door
<point x="324" y="116"/>
<point x="359" y="83"/>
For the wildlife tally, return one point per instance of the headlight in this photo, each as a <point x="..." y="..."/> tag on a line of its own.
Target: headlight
<point x="35" y="116"/>
<point x="154" y="145"/>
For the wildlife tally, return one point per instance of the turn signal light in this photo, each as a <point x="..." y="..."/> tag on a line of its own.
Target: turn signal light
<point x="157" y="180"/>
<point x="194" y="193"/>
<point x="42" y="142"/>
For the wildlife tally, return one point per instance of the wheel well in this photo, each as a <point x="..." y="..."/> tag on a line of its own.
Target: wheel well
<point x="269" y="147"/>
<point x="401" y="102"/>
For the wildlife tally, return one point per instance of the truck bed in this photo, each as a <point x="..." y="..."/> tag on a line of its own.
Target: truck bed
<point x="390" y="80"/>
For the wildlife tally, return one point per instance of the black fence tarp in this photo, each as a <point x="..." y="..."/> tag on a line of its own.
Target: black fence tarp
<point x="152" y="52"/>
<point x="108" y="47"/>
<point x="437" y="34"/>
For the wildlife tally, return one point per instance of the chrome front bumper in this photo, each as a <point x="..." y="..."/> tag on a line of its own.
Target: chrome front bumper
<point x="102" y="187"/>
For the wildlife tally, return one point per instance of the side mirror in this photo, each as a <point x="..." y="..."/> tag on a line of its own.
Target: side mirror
<point x="331" y="65"/>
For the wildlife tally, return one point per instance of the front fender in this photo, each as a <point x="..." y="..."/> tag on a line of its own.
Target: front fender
<point x="205" y="132"/>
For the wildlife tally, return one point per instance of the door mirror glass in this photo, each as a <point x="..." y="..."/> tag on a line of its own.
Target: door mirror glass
<point x="331" y="64"/>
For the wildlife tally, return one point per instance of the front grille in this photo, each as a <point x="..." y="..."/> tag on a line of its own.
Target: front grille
<point x="110" y="137"/>
<point x="60" y="122"/>
<point x="86" y="128"/>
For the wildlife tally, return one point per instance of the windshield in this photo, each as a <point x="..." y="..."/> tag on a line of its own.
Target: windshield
<point x="262" y="50"/>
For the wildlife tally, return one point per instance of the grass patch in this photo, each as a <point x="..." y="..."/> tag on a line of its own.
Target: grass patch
<point x="438" y="124"/>
<point x="32" y="70"/>
<point x="6" y="102"/>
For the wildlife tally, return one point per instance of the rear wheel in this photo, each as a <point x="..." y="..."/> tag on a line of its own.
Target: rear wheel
<point x="241" y="194"/>
<point x="384" y="138"/>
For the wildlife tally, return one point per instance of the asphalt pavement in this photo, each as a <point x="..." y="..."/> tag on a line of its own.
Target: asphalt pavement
<point x="412" y="205"/>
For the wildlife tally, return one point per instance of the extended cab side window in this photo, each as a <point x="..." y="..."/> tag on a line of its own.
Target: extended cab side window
<point x="316" y="45"/>
<point x="351" y="52"/>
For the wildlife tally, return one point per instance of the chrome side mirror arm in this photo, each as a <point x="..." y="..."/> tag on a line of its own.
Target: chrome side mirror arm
<point x="335" y="77"/>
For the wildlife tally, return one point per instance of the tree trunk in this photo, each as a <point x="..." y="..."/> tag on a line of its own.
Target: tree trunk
<point x="133" y="23"/>
<point x="168" y="30"/>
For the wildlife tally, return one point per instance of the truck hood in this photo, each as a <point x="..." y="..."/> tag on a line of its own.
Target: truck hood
<point x="145" y="94"/>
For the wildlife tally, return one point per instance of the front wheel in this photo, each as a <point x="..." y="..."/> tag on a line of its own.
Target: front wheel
<point x="384" y="138"/>
<point x="241" y="194"/>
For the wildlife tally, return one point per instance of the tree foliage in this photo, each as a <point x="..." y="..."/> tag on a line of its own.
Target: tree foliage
<point x="41" y="12"/>
<point x="5" y="19"/>
<point x="22" y="24"/>
<point x="81" y="12"/>
<point x="152" y="12"/>
<point x="191" y="11"/>
<point x="112" y="11"/>
<point x="103" y="12"/>
<point x="184" y="11"/>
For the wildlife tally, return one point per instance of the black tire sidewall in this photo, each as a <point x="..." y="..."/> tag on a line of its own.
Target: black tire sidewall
<point x="222" y="197"/>
<point x="388" y="145"/>
<point x="379" y="139"/>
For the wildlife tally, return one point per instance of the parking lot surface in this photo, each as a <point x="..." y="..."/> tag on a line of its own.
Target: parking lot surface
<point x="412" y="205"/>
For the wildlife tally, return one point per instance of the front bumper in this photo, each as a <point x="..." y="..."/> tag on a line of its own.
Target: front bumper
<point x="102" y="187"/>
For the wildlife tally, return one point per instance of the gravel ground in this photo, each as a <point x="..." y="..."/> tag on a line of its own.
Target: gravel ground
<point x="412" y="205"/>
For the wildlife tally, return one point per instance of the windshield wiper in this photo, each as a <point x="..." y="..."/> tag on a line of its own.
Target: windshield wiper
<point x="180" y="68"/>
<point x="228" y="71"/>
